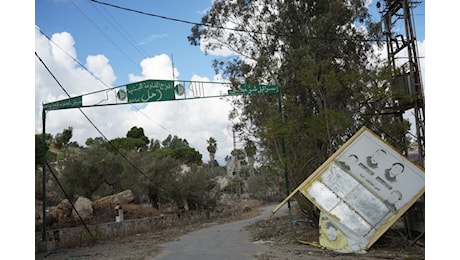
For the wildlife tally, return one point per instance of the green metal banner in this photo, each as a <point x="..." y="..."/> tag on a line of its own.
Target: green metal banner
<point x="63" y="104"/>
<point x="255" y="89"/>
<point x="150" y="90"/>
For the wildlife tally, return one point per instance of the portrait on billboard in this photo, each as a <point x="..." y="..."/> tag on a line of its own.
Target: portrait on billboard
<point x="363" y="189"/>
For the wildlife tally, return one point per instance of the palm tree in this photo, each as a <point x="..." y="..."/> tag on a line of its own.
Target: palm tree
<point x="212" y="148"/>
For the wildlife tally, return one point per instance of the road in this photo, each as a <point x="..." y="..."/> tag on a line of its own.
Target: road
<point x="226" y="241"/>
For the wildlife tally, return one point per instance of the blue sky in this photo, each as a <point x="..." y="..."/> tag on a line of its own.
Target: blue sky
<point x="127" y="37"/>
<point x="120" y="47"/>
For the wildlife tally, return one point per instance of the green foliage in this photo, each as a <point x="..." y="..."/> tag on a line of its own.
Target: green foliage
<point x="40" y="150"/>
<point x="199" y="189"/>
<point x="188" y="155"/>
<point x="62" y="139"/>
<point x="164" y="153"/>
<point x="267" y="184"/>
<point x="127" y="144"/>
<point x="174" y="142"/>
<point x="162" y="175"/>
<point x="317" y="55"/>
<point x="154" y="145"/>
<point x="250" y="148"/>
<point x="108" y="167"/>
<point x="137" y="133"/>
<point x="183" y="154"/>
<point x="85" y="173"/>
<point x="212" y="147"/>
<point x="235" y="186"/>
<point x="323" y="68"/>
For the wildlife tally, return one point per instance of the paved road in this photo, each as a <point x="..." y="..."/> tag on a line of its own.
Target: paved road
<point x="226" y="241"/>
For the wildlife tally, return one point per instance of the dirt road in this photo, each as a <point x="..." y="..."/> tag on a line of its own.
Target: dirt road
<point x="227" y="241"/>
<point x="251" y="236"/>
<point x="199" y="241"/>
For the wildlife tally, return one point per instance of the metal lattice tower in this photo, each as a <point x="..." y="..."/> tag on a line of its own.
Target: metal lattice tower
<point x="404" y="59"/>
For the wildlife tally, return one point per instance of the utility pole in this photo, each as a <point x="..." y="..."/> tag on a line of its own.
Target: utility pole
<point x="404" y="59"/>
<point x="236" y="170"/>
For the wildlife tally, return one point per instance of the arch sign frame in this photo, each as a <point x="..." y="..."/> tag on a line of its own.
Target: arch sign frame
<point x="145" y="91"/>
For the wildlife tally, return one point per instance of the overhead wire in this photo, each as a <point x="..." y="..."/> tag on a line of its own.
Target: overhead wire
<point x="105" y="84"/>
<point x="105" y="35"/>
<point x="89" y="120"/>
<point x="122" y="31"/>
<point x="132" y="42"/>
<point x="98" y="79"/>
<point x="70" y="200"/>
<point x="292" y="35"/>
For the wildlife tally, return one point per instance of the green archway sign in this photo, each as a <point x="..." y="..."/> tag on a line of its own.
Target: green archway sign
<point x="150" y="91"/>
<point x="160" y="90"/>
<point x="143" y="92"/>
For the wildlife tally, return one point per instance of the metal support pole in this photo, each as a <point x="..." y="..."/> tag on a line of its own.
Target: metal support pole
<point x="283" y="144"/>
<point x="44" y="176"/>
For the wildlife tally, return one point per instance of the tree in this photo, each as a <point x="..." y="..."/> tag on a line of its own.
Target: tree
<point x="154" y="145"/>
<point x="126" y="143"/>
<point x="199" y="189"/>
<point x="184" y="155"/>
<point x="318" y="53"/>
<point x="174" y="142"/>
<point x="250" y="149"/>
<point x="62" y="139"/>
<point x="86" y="174"/>
<point x="212" y="149"/>
<point x="137" y="133"/>
<point x="39" y="152"/>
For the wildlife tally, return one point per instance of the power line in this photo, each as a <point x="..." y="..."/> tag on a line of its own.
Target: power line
<point x="92" y="74"/>
<point x="89" y="120"/>
<point x="229" y="28"/>
<point x="122" y="32"/>
<point x="103" y="33"/>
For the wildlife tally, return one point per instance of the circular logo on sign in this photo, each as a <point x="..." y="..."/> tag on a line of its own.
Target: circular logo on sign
<point x="121" y="94"/>
<point x="180" y="89"/>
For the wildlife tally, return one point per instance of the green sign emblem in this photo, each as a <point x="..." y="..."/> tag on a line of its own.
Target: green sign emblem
<point x="121" y="95"/>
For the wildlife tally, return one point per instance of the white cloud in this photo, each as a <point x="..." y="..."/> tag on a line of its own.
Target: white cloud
<point x="194" y="120"/>
<point x="157" y="67"/>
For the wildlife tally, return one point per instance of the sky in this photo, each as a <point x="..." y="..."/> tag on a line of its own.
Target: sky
<point x="120" y="46"/>
<point x="116" y="50"/>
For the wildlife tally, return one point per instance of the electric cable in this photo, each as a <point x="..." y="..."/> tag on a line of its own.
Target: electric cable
<point x="99" y="80"/>
<point x="89" y="120"/>
<point x="228" y="28"/>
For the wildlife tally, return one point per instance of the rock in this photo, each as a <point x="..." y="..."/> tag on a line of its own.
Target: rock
<point x="63" y="211"/>
<point x="84" y="208"/>
<point x="109" y="202"/>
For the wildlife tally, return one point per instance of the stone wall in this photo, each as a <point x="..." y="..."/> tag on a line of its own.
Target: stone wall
<point x="87" y="235"/>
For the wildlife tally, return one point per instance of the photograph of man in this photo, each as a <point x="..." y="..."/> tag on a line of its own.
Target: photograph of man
<point x="394" y="198"/>
<point x="395" y="170"/>
<point x="350" y="160"/>
<point x="378" y="156"/>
